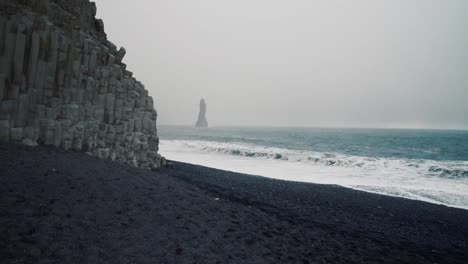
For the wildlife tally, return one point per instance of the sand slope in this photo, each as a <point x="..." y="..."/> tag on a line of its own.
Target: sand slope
<point x="67" y="207"/>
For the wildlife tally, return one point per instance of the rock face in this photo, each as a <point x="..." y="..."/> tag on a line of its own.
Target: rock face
<point x="201" y="122"/>
<point x="63" y="84"/>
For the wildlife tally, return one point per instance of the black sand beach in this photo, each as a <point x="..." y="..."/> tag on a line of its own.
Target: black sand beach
<point x="68" y="207"/>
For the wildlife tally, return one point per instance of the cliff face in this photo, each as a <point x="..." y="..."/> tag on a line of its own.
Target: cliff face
<point x="63" y="84"/>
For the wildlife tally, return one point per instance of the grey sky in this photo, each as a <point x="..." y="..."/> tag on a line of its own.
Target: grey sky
<point x="372" y="63"/>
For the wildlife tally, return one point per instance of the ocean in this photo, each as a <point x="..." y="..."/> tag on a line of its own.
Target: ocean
<point x="426" y="165"/>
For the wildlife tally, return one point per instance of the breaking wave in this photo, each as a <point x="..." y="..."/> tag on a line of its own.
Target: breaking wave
<point x="434" y="181"/>
<point x="444" y="169"/>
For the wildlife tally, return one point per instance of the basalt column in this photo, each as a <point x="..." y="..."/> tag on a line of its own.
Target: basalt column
<point x="63" y="83"/>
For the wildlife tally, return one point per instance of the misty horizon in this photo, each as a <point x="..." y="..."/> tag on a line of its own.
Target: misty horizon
<point x="371" y="64"/>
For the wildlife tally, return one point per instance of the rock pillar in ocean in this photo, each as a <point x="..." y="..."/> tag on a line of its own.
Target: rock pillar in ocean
<point x="201" y="122"/>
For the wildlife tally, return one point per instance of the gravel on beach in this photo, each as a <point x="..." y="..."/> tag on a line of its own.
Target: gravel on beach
<point x="68" y="207"/>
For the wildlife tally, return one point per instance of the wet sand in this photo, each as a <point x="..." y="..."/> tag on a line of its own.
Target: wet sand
<point x="67" y="207"/>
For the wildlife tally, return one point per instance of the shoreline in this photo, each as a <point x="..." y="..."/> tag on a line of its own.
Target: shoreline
<point x="424" y="185"/>
<point x="432" y="202"/>
<point x="65" y="206"/>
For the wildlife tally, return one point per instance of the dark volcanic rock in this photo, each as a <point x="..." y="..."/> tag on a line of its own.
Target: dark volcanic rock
<point x="202" y="122"/>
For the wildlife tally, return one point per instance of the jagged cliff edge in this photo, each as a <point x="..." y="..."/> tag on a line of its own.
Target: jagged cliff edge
<point x="63" y="83"/>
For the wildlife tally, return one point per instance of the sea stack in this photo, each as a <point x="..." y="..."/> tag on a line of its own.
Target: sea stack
<point x="201" y="122"/>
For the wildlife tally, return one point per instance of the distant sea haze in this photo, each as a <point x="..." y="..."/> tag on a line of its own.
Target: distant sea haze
<point x="427" y="165"/>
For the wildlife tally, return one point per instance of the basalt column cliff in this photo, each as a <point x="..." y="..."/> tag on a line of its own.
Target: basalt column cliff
<point x="63" y="83"/>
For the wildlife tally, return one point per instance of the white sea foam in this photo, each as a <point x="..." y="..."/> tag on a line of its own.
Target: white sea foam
<point x="441" y="182"/>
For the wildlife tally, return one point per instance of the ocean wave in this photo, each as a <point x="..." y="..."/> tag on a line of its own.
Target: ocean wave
<point x="448" y="173"/>
<point x="431" y="168"/>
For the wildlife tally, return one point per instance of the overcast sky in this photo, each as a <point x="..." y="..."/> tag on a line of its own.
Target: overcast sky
<point x="360" y="63"/>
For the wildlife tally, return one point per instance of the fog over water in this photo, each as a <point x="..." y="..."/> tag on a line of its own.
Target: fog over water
<point x="368" y="63"/>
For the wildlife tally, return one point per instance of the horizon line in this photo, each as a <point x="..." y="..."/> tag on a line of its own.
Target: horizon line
<point x="323" y="127"/>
